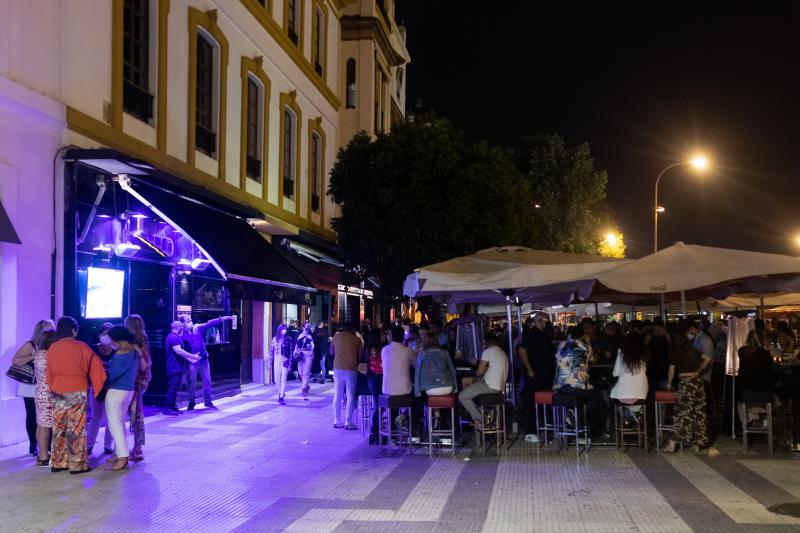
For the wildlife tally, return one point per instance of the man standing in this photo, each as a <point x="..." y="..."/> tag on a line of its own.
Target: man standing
<point x="176" y="358"/>
<point x="492" y="371"/>
<point x="537" y="355"/>
<point x="193" y="335"/>
<point x="321" y="343"/>
<point x="344" y="348"/>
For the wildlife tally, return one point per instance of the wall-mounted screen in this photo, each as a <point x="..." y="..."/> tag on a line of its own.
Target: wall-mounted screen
<point x="104" y="292"/>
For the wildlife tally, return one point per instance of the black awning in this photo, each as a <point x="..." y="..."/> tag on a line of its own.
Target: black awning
<point x="7" y="232"/>
<point x="236" y="247"/>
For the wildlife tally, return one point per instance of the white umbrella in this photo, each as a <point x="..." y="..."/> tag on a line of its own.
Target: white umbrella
<point x="683" y="267"/>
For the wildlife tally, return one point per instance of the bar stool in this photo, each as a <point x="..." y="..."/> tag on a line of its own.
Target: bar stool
<point x="447" y="401"/>
<point x="662" y="399"/>
<point x="758" y="399"/>
<point x="493" y="406"/>
<point x="365" y="408"/>
<point x="545" y="399"/>
<point x="386" y="405"/>
<point x="639" y="429"/>
<point x="563" y="404"/>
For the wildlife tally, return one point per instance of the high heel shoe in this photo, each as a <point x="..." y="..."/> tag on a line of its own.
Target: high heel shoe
<point x="120" y="464"/>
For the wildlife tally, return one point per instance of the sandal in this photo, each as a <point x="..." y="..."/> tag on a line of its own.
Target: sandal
<point x="337" y="426"/>
<point x="112" y="459"/>
<point x="120" y="464"/>
<point x="351" y="426"/>
<point x="136" y="456"/>
<point x="43" y="462"/>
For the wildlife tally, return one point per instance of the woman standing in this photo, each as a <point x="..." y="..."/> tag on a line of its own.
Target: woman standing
<point x="304" y="355"/>
<point x="280" y="355"/>
<point x="689" y="424"/>
<point x="103" y="350"/>
<point x="135" y="325"/>
<point x="69" y="363"/>
<point x="376" y="340"/>
<point x="44" y="402"/>
<point x="123" y="369"/>
<point x="27" y="391"/>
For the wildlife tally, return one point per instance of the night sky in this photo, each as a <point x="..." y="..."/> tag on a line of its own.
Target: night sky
<point x="644" y="88"/>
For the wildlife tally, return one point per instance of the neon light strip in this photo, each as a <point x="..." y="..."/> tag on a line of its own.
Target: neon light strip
<point x="124" y="182"/>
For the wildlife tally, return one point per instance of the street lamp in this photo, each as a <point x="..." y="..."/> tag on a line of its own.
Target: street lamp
<point x="700" y="163"/>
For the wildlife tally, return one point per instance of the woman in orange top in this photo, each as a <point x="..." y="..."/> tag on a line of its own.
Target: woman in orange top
<point x="70" y="364"/>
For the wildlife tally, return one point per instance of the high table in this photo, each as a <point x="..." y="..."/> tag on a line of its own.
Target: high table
<point x="794" y="365"/>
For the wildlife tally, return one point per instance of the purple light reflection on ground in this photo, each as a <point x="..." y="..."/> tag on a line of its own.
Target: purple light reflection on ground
<point x="63" y="499"/>
<point x="88" y="483"/>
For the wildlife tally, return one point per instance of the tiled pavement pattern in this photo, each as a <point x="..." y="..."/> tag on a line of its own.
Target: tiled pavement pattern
<point x="255" y="466"/>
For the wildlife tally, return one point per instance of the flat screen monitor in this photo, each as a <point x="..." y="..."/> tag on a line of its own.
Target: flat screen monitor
<point x="104" y="291"/>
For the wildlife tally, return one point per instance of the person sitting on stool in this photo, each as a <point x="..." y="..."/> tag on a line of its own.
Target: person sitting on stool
<point x="492" y="371"/>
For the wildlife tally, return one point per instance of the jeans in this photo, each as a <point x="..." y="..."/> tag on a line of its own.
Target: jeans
<point x="204" y="367"/>
<point x="304" y="368"/>
<point x="375" y="383"/>
<point x="345" y="381"/>
<point x="98" y="419"/>
<point x="467" y="397"/>
<point x="280" y="371"/>
<point x="323" y="372"/>
<point x="170" y="399"/>
<point x="117" y="403"/>
<point x="594" y="406"/>
<point x="30" y="421"/>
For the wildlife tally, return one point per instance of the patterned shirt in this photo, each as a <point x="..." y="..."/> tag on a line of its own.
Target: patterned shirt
<point x="281" y="348"/>
<point x="571" y="365"/>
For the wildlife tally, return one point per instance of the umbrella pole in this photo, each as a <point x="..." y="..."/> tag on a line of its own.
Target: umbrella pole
<point x="514" y="425"/>
<point x="683" y="303"/>
<point x="661" y="308"/>
<point x="596" y="312"/>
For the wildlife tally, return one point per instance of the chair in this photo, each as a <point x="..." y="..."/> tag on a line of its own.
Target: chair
<point x="447" y="401"/>
<point x="639" y="429"/>
<point x="662" y="399"/>
<point x="386" y="405"/>
<point x="562" y="406"/>
<point x="365" y="408"/>
<point x="493" y="408"/>
<point x="758" y="399"/>
<point x="545" y="399"/>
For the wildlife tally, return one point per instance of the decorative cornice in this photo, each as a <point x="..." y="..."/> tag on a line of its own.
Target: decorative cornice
<point x="358" y="28"/>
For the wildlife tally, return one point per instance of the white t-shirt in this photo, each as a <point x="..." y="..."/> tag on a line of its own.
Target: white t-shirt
<point x="497" y="373"/>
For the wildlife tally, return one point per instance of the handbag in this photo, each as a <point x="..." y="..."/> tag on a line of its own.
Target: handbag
<point x="22" y="373"/>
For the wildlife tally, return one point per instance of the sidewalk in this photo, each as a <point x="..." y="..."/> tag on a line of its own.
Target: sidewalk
<point x="256" y="466"/>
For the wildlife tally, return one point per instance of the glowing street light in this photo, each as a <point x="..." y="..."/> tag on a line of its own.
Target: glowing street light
<point x="698" y="162"/>
<point x="611" y="238"/>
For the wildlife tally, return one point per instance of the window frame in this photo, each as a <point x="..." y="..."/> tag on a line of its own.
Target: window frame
<point x="351" y="81"/>
<point x="251" y="69"/>
<point x="137" y="82"/>
<point x="206" y="63"/>
<point x="319" y="39"/>
<point x="298" y="19"/>
<point x="316" y="141"/>
<point x="288" y="102"/>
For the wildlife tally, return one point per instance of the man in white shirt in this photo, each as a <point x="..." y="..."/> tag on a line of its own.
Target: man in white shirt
<point x="493" y="371"/>
<point x="397" y="361"/>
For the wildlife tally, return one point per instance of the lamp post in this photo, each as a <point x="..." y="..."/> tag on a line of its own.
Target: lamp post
<point x="699" y="162"/>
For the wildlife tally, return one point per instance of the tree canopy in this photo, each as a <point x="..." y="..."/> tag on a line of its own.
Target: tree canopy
<point x="423" y="194"/>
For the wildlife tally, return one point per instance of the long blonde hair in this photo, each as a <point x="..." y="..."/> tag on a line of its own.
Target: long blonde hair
<point x="41" y="327"/>
<point x="135" y="324"/>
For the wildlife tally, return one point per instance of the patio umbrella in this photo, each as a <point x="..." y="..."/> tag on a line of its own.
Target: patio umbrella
<point x="705" y="270"/>
<point x="508" y="275"/>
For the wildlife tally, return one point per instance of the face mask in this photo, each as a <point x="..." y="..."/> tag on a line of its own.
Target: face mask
<point x="105" y="339"/>
<point x="690" y="336"/>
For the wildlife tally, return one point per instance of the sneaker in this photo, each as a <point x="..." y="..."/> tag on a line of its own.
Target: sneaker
<point x="304" y="391"/>
<point x="33" y="450"/>
<point x="170" y="412"/>
<point x="533" y="438"/>
<point x="281" y="401"/>
<point x="190" y="407"/>
<point x="210" y="405"/>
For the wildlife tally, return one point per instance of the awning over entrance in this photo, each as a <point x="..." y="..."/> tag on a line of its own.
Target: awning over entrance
<point x="7" y="232"/>
<point x="218" y="226"/>
<point x="236" y="247"/>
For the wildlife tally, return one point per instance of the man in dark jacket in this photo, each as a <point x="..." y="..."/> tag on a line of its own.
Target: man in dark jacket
<point x="537" y="355"/>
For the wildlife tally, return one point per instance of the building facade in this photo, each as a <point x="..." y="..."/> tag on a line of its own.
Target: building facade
<point x="176" y="142"/>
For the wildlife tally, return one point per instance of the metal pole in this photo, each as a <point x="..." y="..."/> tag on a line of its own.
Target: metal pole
<point x="655" y="224"/>
<point x="596" y="312"/>
<point x="683" y="303"/>
<point x="514" y="424"/>
<point x="519" y="315"/>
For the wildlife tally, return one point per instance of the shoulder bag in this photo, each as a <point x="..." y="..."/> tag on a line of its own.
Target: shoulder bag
<point x="23" y="373"/>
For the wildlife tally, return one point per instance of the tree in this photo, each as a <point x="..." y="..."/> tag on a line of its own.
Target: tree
<point x="420" y="195"/>
<point x="569" y="192"/>
<point x="612" y="244"/>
